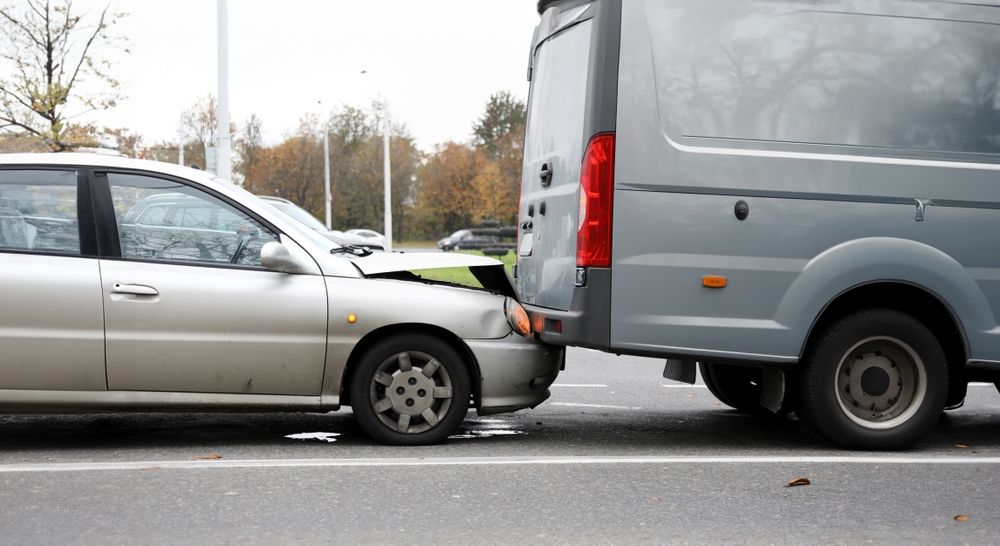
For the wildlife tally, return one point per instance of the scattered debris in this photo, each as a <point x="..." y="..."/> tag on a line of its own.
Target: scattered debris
<point x="328" y="437"/>
<point x="961" y="446"/>
<point x="961" y="517"/>
<point x="798" y="481"/>
<point x="209" y="457"/>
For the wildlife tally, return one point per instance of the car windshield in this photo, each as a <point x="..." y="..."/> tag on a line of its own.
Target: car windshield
<point x="299" y="214"/>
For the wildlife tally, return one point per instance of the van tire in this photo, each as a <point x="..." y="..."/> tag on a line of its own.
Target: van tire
<point x="876" y="379"/>
<point x="737" y="387"/>
<point x="379" y="406"/>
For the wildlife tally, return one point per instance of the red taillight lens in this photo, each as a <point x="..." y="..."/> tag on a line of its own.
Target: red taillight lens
<point x="597" y="181"/>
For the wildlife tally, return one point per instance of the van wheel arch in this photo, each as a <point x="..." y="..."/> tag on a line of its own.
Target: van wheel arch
<point x="914" y="300"/>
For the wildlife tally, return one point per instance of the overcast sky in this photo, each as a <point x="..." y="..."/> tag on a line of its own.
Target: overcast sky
<point x="437" y="61"/>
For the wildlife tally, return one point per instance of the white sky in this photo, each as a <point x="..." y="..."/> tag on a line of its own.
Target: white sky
<point x="437" y="61"/>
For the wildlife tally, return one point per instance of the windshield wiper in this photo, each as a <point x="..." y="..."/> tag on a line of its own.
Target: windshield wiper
<point x="355" y="250"/>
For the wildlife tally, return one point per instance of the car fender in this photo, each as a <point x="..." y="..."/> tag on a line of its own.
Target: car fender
<point x="359" y="307"/>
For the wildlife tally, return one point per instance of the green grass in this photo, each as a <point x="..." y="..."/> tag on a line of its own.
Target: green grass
<point x="462" y="275"/>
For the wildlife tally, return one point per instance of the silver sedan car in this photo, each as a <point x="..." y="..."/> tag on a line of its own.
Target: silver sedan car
<point x="227" y="304"/>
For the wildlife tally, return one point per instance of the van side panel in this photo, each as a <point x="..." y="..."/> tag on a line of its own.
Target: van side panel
<point x="837" y="123"/>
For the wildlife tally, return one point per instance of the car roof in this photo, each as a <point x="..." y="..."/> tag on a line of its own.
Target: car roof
<point x="82" y="159"/>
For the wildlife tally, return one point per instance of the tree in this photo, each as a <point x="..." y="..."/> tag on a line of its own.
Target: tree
<point x="504" y="116"/>
<point x="499" y="134"/>
<point x="51" y="70"/>
<point x="248" y="148"/>
<point x="447" y="199"/>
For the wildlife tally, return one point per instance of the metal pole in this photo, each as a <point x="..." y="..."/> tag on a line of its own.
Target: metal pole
<point x="326" y="177"/>
<point x="224" y="139"/>
<point x="180" y="144"/>
<point x="388" y="185"/>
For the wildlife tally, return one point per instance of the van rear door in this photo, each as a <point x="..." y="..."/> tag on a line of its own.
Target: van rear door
<point x="553" y="149"/>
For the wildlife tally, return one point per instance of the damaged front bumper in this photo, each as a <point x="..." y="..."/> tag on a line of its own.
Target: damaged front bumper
<point x="515" y="372"/>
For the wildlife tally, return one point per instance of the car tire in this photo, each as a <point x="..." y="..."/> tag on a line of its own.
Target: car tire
<point x="876" y="379"/>
<point x="738" y="387"/>
<point x="411" y="389"/>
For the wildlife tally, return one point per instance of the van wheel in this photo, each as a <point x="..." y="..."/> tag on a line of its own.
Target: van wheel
<point x="876" y="379"/>
<point x="410" y="390"/>
<point x="738" y="387"/>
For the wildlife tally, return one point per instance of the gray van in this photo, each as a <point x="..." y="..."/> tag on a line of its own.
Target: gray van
<point x="802" y="197"/>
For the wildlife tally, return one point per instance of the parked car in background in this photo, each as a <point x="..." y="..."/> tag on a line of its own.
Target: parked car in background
<point x="368" y="234"/>
<point x="465" y="239"/>
<point x="302" y="215"/>
<point x="136" y="285"/>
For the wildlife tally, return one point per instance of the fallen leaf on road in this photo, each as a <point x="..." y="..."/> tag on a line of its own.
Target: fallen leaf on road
<point x="961" y="517"/>
<point x="209" y="457"/>
<point x="961" y="446"/>
<point x="798" y="481"/>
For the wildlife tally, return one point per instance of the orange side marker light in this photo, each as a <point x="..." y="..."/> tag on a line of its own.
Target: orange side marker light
<point x="713" y="281"/>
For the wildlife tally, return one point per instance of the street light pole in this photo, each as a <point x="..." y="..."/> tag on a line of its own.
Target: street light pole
<point x="326" y="176"/>
<point x="388" y="185"/>
<point x="224" y="163"/>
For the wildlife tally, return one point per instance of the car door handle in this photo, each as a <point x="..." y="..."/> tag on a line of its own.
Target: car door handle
<point x="134" y="289"/>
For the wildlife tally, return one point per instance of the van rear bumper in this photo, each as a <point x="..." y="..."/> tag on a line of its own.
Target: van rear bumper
<point x="587" y="322"/>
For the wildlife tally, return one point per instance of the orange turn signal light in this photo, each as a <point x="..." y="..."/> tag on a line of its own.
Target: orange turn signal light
<point x="713" y="281"/>
<point x="351" y="318"/>
<point x="517" y="317"/>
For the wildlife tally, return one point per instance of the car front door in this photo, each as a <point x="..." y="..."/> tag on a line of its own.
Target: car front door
<point x="188" y="306"/>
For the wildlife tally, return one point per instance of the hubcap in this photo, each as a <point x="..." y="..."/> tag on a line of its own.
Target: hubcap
<point x="881" y="382"/>
<point x="411" y="392"/>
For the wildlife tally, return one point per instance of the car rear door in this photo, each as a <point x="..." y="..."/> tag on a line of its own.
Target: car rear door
<point x="51" y="314"/>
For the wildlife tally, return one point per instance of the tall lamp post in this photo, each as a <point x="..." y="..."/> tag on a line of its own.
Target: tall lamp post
<point x="326" y="177"/>
<point x="386" y="168"/>
<point x="224" y="167"/>
<point x="387" y="173"/>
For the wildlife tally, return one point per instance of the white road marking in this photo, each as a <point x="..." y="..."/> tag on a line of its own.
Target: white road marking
<point x="598" y="406"/>
<point x="990" y="385"/>
<point x="579" y="385"/>
<point x="496" y="461"/>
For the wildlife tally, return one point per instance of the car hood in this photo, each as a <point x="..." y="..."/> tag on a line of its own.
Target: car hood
<point x="490" y="273"/>
<point x="389" y="262"/>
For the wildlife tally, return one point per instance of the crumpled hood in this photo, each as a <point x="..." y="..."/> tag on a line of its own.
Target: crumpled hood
<point x="490" y="273"/>
<point x="388" y="262"/>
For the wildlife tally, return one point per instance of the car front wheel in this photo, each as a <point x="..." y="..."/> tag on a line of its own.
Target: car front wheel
<point x="876" y="379"/>
<point x="410" y="390"/>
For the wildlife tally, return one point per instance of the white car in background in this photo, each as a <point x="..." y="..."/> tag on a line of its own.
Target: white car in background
<point x="302" y="215"/>
<point x="219" y="302"/>
<point x="368" y="234"/>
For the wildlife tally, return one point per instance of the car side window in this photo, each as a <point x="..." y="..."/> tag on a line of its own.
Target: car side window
<point x="38" y="211"/>
<point x="160" y="219"/>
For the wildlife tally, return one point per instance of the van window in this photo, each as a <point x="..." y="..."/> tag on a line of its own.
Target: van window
<point x="806" y="75"/>
<point x="557" y="96"/>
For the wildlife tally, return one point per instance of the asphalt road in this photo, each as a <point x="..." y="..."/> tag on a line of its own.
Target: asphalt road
<point x="618" y="455"/>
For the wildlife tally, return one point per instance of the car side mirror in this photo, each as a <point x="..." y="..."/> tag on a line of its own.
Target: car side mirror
<point x="276" y="257"/>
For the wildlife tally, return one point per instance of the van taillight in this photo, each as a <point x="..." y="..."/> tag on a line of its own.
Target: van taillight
<point x="597" y="181"/>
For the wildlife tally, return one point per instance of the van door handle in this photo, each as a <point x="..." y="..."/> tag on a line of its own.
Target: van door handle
<point x="546" y="175"/>
<point x="134" y="289"/>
